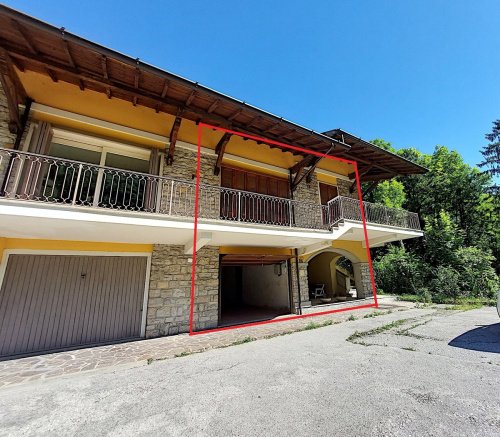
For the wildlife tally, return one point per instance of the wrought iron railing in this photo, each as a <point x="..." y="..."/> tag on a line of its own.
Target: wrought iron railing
<point x="32" y="177"/>
<point x="345" y="208"/>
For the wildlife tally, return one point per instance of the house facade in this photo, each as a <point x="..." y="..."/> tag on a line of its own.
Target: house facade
<point x="98" y="157"/>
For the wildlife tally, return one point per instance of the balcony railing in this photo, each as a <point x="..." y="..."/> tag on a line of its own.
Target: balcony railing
<point x="345" y="208"/>
<point x="31" y="177"/>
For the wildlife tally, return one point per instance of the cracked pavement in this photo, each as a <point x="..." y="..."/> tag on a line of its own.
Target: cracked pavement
<point x="436" y="373"/>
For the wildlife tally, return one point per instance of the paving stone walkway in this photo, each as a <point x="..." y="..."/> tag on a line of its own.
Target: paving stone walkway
<point x="142" y="352"/>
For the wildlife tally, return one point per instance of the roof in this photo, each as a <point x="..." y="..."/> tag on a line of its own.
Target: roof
<point x="375" y="163"/>
<point x="35" y="45"/>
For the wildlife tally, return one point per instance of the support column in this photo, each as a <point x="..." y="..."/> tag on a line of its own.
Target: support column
<point x="304" y="286"/>
<point x="363" y="280"/>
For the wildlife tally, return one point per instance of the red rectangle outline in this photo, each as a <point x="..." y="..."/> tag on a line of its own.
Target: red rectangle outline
<point x="195" y="232"/>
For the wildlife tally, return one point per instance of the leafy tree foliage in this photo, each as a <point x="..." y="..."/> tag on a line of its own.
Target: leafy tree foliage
<point x="458" y="256"/>
<point x="491" y="155"/>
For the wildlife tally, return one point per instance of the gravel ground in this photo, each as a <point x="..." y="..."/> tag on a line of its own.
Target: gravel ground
<point x="432" y="372"/>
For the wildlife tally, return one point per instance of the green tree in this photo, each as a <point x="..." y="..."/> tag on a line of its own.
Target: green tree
<point x="491" y="155"/>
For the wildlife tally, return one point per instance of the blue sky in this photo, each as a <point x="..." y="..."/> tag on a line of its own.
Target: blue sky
<point x="416" y="73"/>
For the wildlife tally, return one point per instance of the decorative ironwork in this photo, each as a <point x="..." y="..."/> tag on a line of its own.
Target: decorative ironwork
<point x="345" y="208"/>
<point x="32" y="177"/>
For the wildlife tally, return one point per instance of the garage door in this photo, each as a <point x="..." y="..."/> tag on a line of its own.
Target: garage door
<point x="50" y="302"/>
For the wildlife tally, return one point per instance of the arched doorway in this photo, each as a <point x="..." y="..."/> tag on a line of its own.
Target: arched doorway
<point x="334" y="276"/>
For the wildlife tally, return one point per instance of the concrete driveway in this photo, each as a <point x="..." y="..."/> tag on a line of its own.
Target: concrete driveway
<point x="416" y="372"/>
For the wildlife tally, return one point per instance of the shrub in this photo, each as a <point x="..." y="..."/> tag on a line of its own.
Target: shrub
<point x="477" y="276"/>
<point x="446" y="282"/>
<point x="399" y="271"/>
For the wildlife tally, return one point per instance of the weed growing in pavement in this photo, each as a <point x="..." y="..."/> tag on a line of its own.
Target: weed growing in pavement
<point x="351" y="318"/>
<point x="409" y="349"/>
<point x="376" y="331"/>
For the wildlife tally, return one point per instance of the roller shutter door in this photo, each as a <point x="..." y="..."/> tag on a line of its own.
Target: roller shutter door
<point x="52" y="302"/>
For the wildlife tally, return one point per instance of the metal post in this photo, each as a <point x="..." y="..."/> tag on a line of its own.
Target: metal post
<point x="77" y="184"/>
<point x="171" y="198"/>
<point x="239" y="206"/>
<point x="290" y="212"/>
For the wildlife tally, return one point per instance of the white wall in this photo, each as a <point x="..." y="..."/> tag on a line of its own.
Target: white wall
<point x="263" y="287"/>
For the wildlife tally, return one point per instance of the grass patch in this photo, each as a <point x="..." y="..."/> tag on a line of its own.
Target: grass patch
<point x="242" y="341"/>
<point x="375" y="331"/>
<point x="408" y="348"/>
<point x="351" y="318"/>
<point x="464" y="307"/>
<point x="477" y="302"/>
<point x="183" y="354"/>
<point x="376" y="313"/>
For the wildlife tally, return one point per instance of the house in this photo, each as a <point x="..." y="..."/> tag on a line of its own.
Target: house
<point x="97" y="165"/>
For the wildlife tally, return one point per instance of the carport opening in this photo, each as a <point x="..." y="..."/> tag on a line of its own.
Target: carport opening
<point x="331" y="279"/>
<point x="253" y="288"/>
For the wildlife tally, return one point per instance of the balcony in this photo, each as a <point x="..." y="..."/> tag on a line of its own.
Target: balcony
<point x="37" y="178"/>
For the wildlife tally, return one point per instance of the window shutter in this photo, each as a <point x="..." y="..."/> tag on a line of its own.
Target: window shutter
<point x="40" y="141"/>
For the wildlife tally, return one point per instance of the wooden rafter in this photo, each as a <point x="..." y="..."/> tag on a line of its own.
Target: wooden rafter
<point x="370" y="188"/>
<point x="71" y="60"/>
<point x="104" y="66"/>
<point x="190" y="98"/>
<point x="26" y="37"/>
<point x="214" y="105"/>
<point x="165" y="89"/>
<point x="220" y="149"/>
<point x="235" y="114"/>
<point x="362" y="172"/>
<point x="14" y="91"/>
<point x="173" y="139"/>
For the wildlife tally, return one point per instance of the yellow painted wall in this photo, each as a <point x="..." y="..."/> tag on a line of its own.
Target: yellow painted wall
<point x="87" y="246"/>
<point x="354" y="247"/>
<point x="69" y="97"/>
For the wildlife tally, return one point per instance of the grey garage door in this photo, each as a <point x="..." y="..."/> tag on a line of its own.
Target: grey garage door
<point x="50" y="302"/>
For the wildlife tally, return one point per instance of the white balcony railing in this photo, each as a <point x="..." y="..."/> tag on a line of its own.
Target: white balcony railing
<point x="39" y="178"/>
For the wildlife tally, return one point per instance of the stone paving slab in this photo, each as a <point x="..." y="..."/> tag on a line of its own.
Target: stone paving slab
<point x="142" y="352"/>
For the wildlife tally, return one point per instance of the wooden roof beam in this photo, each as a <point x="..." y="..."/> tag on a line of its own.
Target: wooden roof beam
<point x="235" y="114"/>
<point x="173" y="139"/>
<point x="104" y="66"/>
<point x="220" y="149"/>
<point x="14" y="91"/>
<point x="362" y="172"/>
<point x="190" y="98"/>
<point x="71" y="60"/>
<point x="165" y="89"/>
<point x="214" y="105"/>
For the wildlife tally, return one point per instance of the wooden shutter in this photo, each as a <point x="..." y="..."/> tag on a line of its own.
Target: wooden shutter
<point x="40" y="141"/>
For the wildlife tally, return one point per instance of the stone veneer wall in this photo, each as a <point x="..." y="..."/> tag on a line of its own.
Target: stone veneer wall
<point x="170" y="280"/>
<point x="363" y="280"/>
<point x="344" y="189"/>
<point x="304" y="285"/>
<point x="170" y="290"/>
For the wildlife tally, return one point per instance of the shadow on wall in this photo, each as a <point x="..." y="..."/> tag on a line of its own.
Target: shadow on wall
<point x="485" y="338"/>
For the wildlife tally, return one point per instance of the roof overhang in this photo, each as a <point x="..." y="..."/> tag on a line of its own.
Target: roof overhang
<point x="31" y="44"/>
<point x="375" y="163"/>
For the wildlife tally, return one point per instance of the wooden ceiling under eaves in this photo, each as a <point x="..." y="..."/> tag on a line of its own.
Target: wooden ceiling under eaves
<point x="36" y="46"/>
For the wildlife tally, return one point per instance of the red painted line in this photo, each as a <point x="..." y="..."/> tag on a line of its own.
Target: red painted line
<point x="284" y="319"/>
<point x="195" y="232"/>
